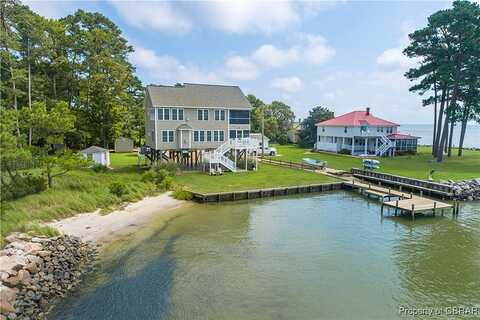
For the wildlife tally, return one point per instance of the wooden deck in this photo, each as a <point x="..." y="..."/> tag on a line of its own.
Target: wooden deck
<point x="404" y="202"/>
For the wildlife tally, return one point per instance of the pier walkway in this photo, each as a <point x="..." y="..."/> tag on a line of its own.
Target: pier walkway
<point x="403" y="201"/>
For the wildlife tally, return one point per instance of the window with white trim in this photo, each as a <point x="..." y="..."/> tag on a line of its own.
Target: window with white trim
<point x="219" y="115"/>
<point x="168" y="136"/>
<point x="195" y="135"/>
<point x="202" y="114"/>
<point x="209" y="135"/>
<point x="221" y="134"/>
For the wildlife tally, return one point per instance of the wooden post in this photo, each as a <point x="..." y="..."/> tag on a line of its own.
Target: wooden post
<point x="434" y="207"/>
<point x="381" y="210"/>
<point x="411" y="195"/>
<point x="400" y="188"/>
<point x="421" y="193"/>
<point x="396" y="207"/>
<point x="413" y="212"/>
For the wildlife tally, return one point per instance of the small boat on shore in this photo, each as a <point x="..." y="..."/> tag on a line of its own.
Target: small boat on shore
<point x="321" y="164"/>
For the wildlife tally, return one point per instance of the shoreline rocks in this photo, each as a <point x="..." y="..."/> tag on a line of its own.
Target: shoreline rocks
<point x="467" y="189"/>
<point x="37" y="271"/>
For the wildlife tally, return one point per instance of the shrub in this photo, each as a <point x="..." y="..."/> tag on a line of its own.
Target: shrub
<point x="171" y="167"/>
<point x="99" y="168"/>
<point x="117" y="188"/>
<point x="250" y="164"/>
<point x="156" y="176"/>
<point x="24" y="184"/>
<point x="166" y="184"/>
<point x="182" y="194"/>
<point x="345" y="151"/>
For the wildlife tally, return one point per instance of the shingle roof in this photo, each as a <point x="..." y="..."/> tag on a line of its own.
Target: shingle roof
<point x="356" y="119"/>
<point x="198" y="95"/>
<point x="93" y="149"/>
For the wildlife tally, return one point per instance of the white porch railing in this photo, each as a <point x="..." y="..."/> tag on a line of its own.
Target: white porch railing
<point x="218" y="155"/>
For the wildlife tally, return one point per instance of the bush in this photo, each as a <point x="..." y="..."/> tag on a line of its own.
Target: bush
<point x="405" y="153"/>
<point x="182" y="194"/>
<point x="99" y="168"/>
<point x="345" y="151"/>
<point x="23" y="185"/>
<point x="117" y="188"/>
<point x="171" y="167"/>
<point x="166" y="184"/>
<point x="155" y="176"/>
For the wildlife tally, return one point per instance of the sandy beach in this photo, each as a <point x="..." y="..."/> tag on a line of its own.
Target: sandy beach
<point x="98" y="228"/>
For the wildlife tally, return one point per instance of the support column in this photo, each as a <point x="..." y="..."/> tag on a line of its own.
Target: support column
<point x="366" y="144"/>
<point x="376" y="145"/>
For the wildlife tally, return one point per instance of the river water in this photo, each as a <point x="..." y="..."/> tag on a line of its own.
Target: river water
<point x="425" y="132"/>
<point x="325" y="256"/>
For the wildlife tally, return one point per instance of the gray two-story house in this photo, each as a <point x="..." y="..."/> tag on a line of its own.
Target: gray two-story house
<point x="192" y="118"/>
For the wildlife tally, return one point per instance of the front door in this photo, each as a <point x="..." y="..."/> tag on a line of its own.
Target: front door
<point x="185" y="139"/>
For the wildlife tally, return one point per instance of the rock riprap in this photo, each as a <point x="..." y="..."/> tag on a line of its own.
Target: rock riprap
<point x="466" y="189"/>
<point x="36" y="271"/>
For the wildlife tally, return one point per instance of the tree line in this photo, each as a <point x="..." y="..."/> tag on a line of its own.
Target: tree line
<point x="448" y="75"/>
<point x="77" y="65"/>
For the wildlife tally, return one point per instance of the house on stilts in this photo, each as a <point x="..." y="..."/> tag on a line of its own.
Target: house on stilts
<point x="198" y="125"/>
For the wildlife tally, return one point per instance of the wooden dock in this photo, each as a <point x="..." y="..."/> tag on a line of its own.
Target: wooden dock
<point x="404" y="202"/>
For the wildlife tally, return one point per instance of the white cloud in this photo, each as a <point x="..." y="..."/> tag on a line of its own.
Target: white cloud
<point x="313" y="49"/>
<point x="167" y="69"/>
<point x="271" y="56"/>
<point x="318" y="51"/>
<point x="159" y="16"/>
<point x="53" y="9"/>
<point x="249" y="16"/>
<point x="394" y="57"/>
<point x="241" y="68"/>
<point x="288" y="84"/>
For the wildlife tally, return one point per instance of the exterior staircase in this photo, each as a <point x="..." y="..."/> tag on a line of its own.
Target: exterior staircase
<point x="385" y="146"/>
<point x="218" y="155"/>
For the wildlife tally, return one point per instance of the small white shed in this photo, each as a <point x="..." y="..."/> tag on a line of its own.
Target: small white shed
<point x="97" y="155"/>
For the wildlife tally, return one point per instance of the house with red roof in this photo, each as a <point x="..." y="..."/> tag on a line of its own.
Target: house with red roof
<point x="361" y="133"/>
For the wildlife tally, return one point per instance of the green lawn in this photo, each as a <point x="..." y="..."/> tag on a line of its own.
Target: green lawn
<point x="267" y="176"/>
<point x="415" y="166"/>
<point x="77" y="191"/>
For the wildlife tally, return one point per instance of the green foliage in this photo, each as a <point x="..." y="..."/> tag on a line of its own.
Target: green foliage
<point x="277" y="119"/>
<point x="56" y="165"/>
<point x="79" y="73"/>
<point x="182" y="194"/>
<point x="23" y="184"/>
<point x="49" y="126"/>
<point x="97" y="167"/>
<point x="449" y="73"/>
<point x="117" y="188"/>
<point x="161" y="175"/>
<point x="308" y="133"/>
<point x="171" y="167"/>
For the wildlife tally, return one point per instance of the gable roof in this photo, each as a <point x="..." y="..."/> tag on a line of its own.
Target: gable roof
<point x="357" y="119"/>
<point x="198" y="95"/>
<point x="93" y="149"/>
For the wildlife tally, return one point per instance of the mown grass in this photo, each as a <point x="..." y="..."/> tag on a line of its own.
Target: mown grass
<point x="77" y="191"/>
<point x="415" y="166"/>
<point x="267" y="176"/>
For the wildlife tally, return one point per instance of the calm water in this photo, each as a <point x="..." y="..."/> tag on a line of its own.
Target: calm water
<point x="328" y="256"/>
<point x="472" y="135"/>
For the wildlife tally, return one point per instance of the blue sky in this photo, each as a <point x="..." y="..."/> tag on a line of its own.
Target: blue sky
<point x="344" y="55"/>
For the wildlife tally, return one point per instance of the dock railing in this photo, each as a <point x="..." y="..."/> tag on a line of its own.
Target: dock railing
<point x="290" y="164"/>
<point x="428" y="187"/>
